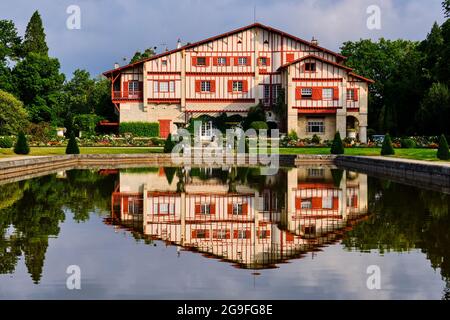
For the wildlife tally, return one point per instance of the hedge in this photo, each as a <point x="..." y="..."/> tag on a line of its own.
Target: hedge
<point x="140" y="129"/>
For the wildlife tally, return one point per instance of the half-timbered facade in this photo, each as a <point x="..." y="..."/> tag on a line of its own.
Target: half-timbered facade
<point x="236" y="70"/>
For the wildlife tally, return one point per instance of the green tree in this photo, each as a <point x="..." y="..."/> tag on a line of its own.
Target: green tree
<point x="10" y="41"/>
<point x="443" y="153"/>
<point x="387" y="149"/>
<point x="255" y="113"/>
<point x="337" y="146"/>
<point x="434" y="110"/>
<point x="39" y="84"/>
<point x="149" y="52"/>
<point x="169" y="144"/>
<point x="34" y="40"/>
<point x="13" y="116"/>
<point x="72" y="145"/>
<point x="281" y="109"/>
<point x="21" y="146"/>
<point x="446" y="7"/>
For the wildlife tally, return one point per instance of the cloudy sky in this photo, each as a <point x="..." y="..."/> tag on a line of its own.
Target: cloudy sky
<point x="112" y="30"/>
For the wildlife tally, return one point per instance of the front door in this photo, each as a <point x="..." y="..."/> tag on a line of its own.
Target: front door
<point x="164" y="128"/>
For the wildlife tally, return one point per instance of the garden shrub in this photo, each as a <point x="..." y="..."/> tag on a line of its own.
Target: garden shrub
<point x="387" y="149"/>
<point x="86" y="123"/>
<point x="315" y="139"/>
<point x="337" y="146"/>
<point x="41" y="132"/>
<point x="72" y="146"/>
<point x="21" y="146"/>
<point x="443" y="152"/>
<point x="259" y="125"/>
<point x="6" y="142"/>
<point x="140" y="129"/>
<point x="407" y="143"/>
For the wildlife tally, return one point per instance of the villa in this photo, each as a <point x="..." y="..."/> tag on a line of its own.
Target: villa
<point x="234" y="71"/>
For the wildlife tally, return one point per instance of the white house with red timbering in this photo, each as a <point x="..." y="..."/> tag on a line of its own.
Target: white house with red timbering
<point x="239" y="69"/>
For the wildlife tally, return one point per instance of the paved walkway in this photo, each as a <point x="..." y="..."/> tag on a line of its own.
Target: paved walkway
<point x="8" y="158"/>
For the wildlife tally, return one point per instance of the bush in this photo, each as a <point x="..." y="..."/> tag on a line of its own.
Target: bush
<point x="13" y="115"/>
<point x="169" y="144"/>
<point x="41" y="132"/>
<point x="140" y="129"/>
<point x="255" y="113"/>
<point x="386" y="148"/>
<point x="443" y="152"/>
<point x="21" y="146"/>
<point x="72" y="146"/>
<point x="6" y="142"/>
<point x="259" y="125"/>
<point x="86" y="123"/>
<point x="337" y="147"/>
<point x="407" y="143"/>
<point x="315" y="139"/>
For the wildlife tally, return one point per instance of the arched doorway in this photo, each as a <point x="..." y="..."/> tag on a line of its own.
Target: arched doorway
<point x="352" y="127"/>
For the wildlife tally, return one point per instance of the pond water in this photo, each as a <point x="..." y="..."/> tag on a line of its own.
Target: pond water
<point x="312" y="232"/>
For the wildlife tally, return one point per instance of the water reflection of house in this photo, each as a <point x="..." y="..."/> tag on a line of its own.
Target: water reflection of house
<point x="250" y="225"/>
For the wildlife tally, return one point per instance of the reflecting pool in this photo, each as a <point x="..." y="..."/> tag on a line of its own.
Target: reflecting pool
<point x="311" y="232"/>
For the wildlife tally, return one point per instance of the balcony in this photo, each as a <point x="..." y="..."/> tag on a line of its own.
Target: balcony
<point x="130" y="95"/>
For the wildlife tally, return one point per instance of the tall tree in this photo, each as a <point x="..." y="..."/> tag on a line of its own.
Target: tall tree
<point x="10" y="50"/>
<point x="34" y="40"/>
<point x="446" y="7"/>
<point x="435" y="110"/>
<point x="431" y="48"/>
<point x="13" y="116"/>
<point x="149" y="52"/>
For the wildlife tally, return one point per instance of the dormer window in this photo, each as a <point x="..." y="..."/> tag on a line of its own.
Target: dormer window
<point x="310" y="66"/>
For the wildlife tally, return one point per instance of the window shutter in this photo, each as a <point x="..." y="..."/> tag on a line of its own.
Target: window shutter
<point x="289" y="237"/>
<point x="236" y="61"/>
<point x="228" y="60"/>
<point x="298" y="93"/>
<point x="141" y="86"/>
<point x="212" y="208"/>
<point x="230" y="85"/>
<point x="244" y="86"/>
<point x="194" y="234"/>
<point x="245" y="208"/>
<point x="317" y="93"/>
<point x="197" y="208"/>
<point x="316" y="203"/>
<point x="268" y="233"/>
<point x="214" y="61"/>
<point x="335" y="203"/>
<point x="194" y="61"/>
<point x="268" y="61"/>
<point x="289" y="57"/>
<point x="213" y="85"/>
<point x="248" y="234"/>
<point x="298" y="203"/>
<point x="249" y="61"/>
<point x="206" y="61"/>
<point x="197" y="85"/>
<point x="125" y="205"/>
<point x="207" y="234"/>
<point x="335" y="93"/>
<point x="227" y="234"/>
<point x="355" y="94"/>
<point x="230" y="208"/>
<point x="355" y="201"/>
<point x="125" y="89"/>
<point x="235" y="234"/>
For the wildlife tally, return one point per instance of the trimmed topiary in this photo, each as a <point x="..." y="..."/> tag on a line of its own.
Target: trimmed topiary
<point x="72" y="146"/>
<point x="337" y="147"/>
<point x="443" y="152"/>
<point x="407" y="143"/>
<point x="387" y="149"/>
<point x="169" y="144"/>
<point x="21" y="146"/>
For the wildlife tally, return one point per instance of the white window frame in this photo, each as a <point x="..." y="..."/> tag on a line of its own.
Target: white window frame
<point x="221" y="61"/>
<point x="238" y="86"/>
<point x="205" y="208"/>
<point x="133" y="86"/>
<point x="164" y="86"/>
<point x="206" y="129"/>
<point x="350" y="95"/>
<point x="238" y="209"/>
<point x="221" y="234"/>
<point x="306" y="203"/>
<point x="205" y="86"/>
<point x="306" y="93"/>
<point x="319" y="123"/>
<point x="242" y="234"/>
<point x="327" y="202"/>
<point x="327" y="94"/>
<point x="242" y="61"/>
<point x="155" y="86"/>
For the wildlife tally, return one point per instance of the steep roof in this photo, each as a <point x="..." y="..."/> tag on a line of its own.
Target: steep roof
<point x="254" y="25"/>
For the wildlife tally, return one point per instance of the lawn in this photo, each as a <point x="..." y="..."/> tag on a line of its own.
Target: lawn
<point x="418" y="154"/>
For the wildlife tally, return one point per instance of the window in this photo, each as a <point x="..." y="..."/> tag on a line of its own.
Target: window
<point x="172" y="86"/>
<point x="266" y="93"/>
<point x="242" y="234"/>
<point x="205" y="86"/>
<point x="135" y="206"/>
<point x="310" y="230"/>
<point x="306" y="203"/>
<point x="164" y="208"/>
<point x="327" y="202"/>
<point x="163" y="86"/>
<point x="315" y="172"/>
<point x="263" y="234"/>
<point x="315" y="126"/>
<point x="221" y="61"/>
<point x="350" y="94"/>
<point x="263" y="61"/>
<point x="242" y="61"/>
<point x="205" y="208"/>
<point x="237" y="86"/>
<point x="310" y="66"/>
<point x="164" y="63"/>
<point x="221" y="234"/>
<point x="201" y="61"/>
<point x="206" y="129"/>
<point x="327" y="94"/>
<point x="276" y="88"/>
<point x="133" y="86"/>
<point x="237" y="209"/>
<point x="201" y="234"/>
<point x="306" y="93"/>
<point x="155" y="86"/>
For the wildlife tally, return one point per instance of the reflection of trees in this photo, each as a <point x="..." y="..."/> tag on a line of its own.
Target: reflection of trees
<point x="36" y="208"/>
<point x="404" y="218"/>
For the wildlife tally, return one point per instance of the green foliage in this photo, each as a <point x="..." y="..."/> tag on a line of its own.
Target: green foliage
<point x="281" y="109"/>
<point x="10" y="42"/>
<point x="387" y="149"/>
<point x="255" y="113"/>
<point x="443" y="153"/>
<point x="140" y="129"/>
<point x="34" y="40"/>
<point x="42" y="132"/>
<point x="86" y="123"/>
<point x="72" y="146"/>
<point x="13" y="116"/>
<point x="337" y="175"/>
<point x="446" y="7"/>
<point x="149" y="52"/>
<point x="407" y="143"/>
<point x="39" y="85"/>
<point x="21" y="146"/>
<point x="315" y="139"/>
<point x="259" y="125"/>
<point x="169" y="144"/>
<point x="6" y="142"/>
<point x="435" y="110"/>
<point x="337" y="146"/>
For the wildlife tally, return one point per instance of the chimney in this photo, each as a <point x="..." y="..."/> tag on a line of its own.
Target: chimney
<point x="314" y="41"/>
<point x="179" y="43"/>
<point x="116" y="66"/>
